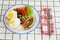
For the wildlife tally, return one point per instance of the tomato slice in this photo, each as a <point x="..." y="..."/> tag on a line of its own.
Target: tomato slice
<point x="25" y="11"/>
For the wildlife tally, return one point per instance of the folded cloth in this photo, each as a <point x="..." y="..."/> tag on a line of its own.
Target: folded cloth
<point x="44" y="21"/>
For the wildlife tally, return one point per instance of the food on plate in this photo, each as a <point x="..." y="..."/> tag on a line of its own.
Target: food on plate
<point x="14" y="22"/>
<point x="25" y="15"/>
<point x="7" y="20"/>
<point x="26" y="11"/>
<point x="22" y="11"/>
<point x="21" y="16"/>
<point x="30" y="12"/>
<point x="27" y="22"/>
<point x="11" y="14"/>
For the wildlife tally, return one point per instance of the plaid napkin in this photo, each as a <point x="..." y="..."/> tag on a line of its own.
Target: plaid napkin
<point x="44" y="21"/>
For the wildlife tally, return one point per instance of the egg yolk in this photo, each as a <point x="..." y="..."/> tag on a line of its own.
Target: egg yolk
<point x="10" y="15"/>
<point x="11" y="22"/>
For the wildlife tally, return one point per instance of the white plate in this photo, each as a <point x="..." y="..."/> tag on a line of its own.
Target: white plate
<point x="36" y="21"/>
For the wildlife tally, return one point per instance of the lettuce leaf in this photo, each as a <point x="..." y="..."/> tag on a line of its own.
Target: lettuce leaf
<point x="30" y="12"/>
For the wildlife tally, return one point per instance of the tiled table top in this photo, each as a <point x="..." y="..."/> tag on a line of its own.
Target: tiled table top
<point x="34" y="35"/>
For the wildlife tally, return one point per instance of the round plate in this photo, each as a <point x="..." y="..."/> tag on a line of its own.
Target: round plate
<point x="18" y="30"/>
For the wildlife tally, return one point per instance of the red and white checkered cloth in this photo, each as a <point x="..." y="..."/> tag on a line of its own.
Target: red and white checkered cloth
<point x="44" y="23"/>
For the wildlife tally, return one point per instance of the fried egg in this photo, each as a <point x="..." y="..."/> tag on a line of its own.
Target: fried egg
<point x="14" y="22"/>
<point x="12" y="14"/>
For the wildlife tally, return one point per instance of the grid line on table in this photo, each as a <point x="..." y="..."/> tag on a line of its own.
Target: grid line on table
<point x="41" y="20"/>
<point x="32" y="5"/>
<point x="1" y="14"/>
<point x="1" y="9"/>
<point x="32" y="33"/>
<point x="31" y="1"/>
<point x="55" y="19"/>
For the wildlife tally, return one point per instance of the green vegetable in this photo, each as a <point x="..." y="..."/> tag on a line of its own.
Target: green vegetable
<point x="30" y="12"/>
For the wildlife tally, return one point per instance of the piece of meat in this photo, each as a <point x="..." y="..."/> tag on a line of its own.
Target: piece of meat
<point x="27" y="22"/>
<point x="22" y="11"/>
